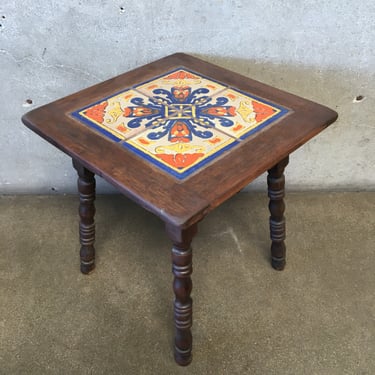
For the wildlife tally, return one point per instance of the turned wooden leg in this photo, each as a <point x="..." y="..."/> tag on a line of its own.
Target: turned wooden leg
<point x="276" y="193"/>
<point x="86" y="189"/>
<point x="182" y="285"/>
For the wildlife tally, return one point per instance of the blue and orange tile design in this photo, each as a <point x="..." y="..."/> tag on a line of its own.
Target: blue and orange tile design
<point x="180" y="121"/>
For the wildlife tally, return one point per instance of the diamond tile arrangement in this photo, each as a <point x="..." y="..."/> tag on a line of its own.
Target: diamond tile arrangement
<point x="180" y="121"/>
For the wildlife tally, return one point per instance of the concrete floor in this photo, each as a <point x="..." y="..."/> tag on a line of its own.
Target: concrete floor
<point x="316" y="317"/>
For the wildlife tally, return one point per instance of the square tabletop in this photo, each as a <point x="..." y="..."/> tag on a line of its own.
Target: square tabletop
<point x="179" y="136"/>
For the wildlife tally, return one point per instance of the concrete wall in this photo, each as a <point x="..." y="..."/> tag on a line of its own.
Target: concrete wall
<point x="322" y="50"/>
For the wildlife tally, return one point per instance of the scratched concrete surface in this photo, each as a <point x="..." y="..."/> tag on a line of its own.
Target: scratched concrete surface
<point x="321" y="50"/>
<point x="315" y="317"/>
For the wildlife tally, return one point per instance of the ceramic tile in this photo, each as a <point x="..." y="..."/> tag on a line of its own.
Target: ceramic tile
<point x="180" y="147"/>
<point x="123" y="115"/>
<point x="239" y="114"/>
<point x="181" y="86"/>
<point x="179" y="121"/>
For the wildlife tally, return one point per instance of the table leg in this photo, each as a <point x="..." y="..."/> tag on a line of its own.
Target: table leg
<point x="276" y="193"/>
<point x="86" y="189"/>
<point x="182" y="285"/>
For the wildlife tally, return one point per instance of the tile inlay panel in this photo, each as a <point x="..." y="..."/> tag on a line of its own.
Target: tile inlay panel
<point x="180" y="121"/>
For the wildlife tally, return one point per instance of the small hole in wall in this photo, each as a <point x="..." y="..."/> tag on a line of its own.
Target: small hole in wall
<point x="359" y="98"/>
<point x="3" y="17"/>
<point x="122" y="10"/>
<point x="27" y="103"/>
<point x="53" y="189"/>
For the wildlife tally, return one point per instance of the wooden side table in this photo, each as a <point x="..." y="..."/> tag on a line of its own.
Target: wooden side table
<point x="179" y="136"/>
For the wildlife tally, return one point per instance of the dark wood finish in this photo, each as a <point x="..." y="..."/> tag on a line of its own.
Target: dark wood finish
<point x="156" y="190"/>
<point x="182" y="286"/>
<point x="276" y="193"/>
<point x="86" y="189"/>
<point x="151" y="187"/>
